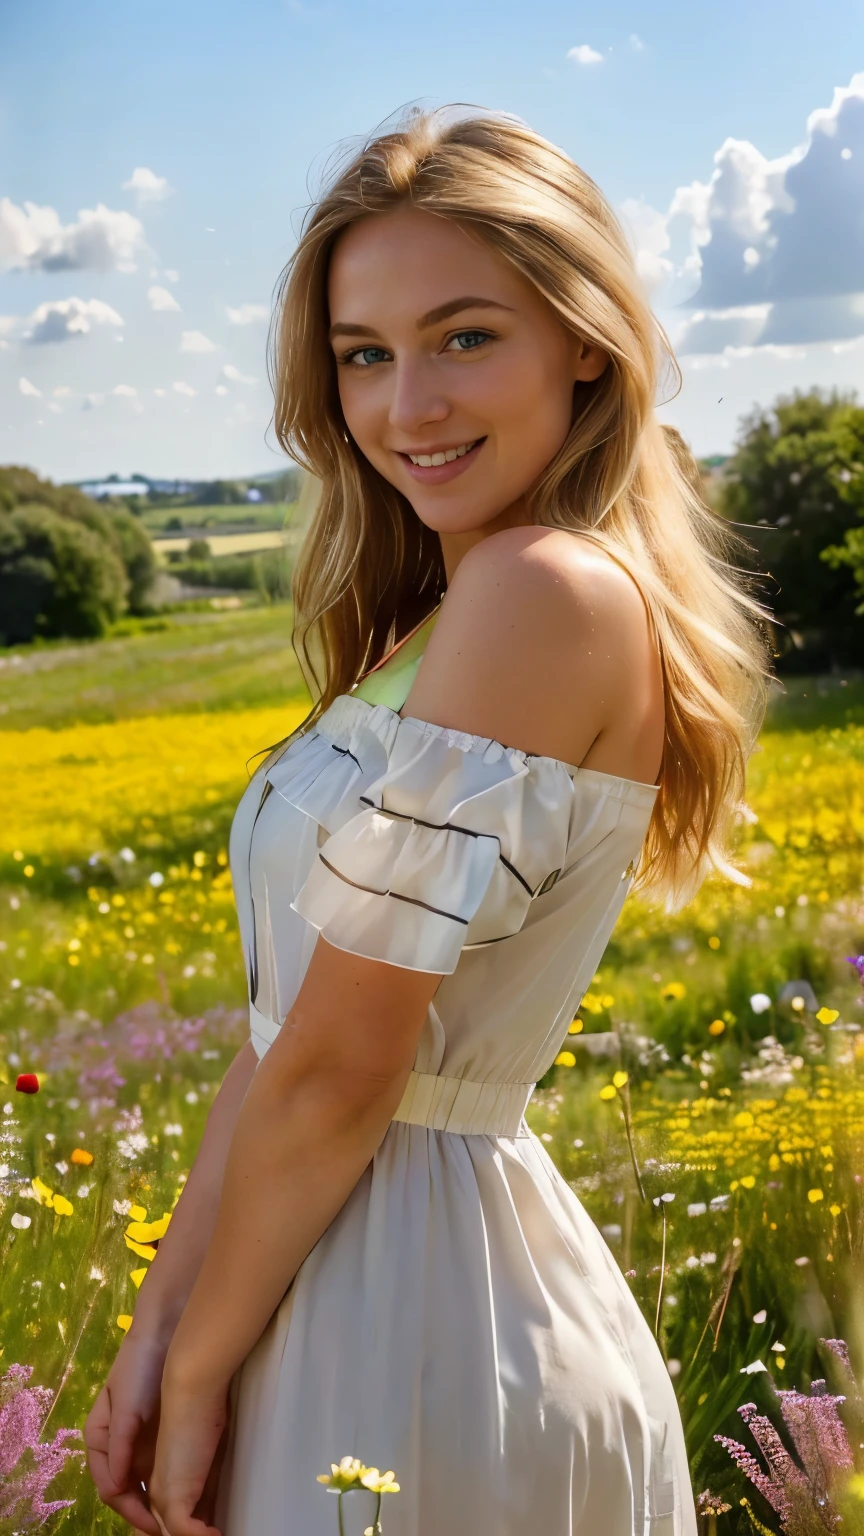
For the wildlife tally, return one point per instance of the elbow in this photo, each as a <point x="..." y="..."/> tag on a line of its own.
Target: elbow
<point x="338" y="1089"/>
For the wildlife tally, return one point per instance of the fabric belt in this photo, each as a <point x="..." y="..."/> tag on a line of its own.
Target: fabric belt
<point x="453" y="1104"/>
<point x="463" y="1107"/>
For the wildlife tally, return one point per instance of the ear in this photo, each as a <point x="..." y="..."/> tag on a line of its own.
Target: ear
<point x="591" y="361"/>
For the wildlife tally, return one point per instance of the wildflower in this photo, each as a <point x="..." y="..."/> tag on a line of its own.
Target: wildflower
<point x="714" y="942"/>
<point x="760" y="1002"/>
<point x="19" y="1221"/>
<point x="124" y="1321"/>
<point x="802" y="1495"/>
<point x="43" y="1194"/>
<point x="827" y="1015"/>
<point x="565" y="1059"/>
<point x="62" y="1206"/>
<point x="673" y="991"/>
<point x="619" y="1079"/>
<point x="814" y="1194"/>
<point x="609" y="1091"/>
<point x="716" y="1027"/>
<point x="760" y="1317"/>
<point x="27" y="1464"/>
<point x="136" y="1276"/>
<point x="576" y="1027"/>
<point x="27" y="1082"/>
<point x="81" y="1158"/>
<point x="352" y="1474"/>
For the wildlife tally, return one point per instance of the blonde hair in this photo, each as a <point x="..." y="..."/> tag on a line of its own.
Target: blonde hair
<point x="369" y="569"/>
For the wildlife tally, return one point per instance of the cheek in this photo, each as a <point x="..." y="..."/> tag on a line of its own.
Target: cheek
<point x="532" y="403"/>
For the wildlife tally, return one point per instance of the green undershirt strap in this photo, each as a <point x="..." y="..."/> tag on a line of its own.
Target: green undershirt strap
<point x="390" y="684"/>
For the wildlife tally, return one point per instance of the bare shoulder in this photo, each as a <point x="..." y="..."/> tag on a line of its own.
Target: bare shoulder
<point x="543" y="642"/>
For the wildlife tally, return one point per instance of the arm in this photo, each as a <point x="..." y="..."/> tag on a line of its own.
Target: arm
<point x="316" y="1111"/>
<point x="120" y="1431"/>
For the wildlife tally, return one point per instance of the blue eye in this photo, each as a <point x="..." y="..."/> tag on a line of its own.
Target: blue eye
<point x="479" y="338"/>
<point x="351" y="357"/>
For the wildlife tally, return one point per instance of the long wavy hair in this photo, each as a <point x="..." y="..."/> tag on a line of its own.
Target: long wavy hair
<point x="369" y="569"/>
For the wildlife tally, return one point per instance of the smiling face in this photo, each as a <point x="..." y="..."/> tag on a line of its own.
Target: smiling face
<point x="455" y="375"/>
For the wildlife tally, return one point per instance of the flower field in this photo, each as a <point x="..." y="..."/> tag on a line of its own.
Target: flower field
<point x="707" y="1107"/>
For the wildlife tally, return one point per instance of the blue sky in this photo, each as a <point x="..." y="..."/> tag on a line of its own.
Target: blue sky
<point x="155" y="162"/>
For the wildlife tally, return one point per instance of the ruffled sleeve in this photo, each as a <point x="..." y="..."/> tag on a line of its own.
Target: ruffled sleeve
<point x="454" y="840"/>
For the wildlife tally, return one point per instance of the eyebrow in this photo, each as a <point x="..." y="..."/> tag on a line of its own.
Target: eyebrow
<point x="443" y="312"/>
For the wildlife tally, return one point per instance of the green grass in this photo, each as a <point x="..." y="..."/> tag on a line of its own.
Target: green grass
<point x="253" y="515"/>
<point x="201" y="661"/>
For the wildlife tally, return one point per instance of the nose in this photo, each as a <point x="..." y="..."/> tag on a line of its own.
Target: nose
<point x="416" y="397"/>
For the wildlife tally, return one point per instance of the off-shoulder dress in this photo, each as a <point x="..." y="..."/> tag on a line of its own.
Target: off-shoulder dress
<point x="462" y="1320"/>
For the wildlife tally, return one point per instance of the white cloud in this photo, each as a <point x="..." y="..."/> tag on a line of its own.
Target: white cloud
<point x="90" y="402"/>
<point x="160" y="393"/>
<point x="32" y="238"/>
<point x="61" y="391"/>
<point x="124" y="389"/>
<point x="196" y="341"/>
<point x="584" y="55"/>
<point x="776" y="247"/>
<point x="247" y="314"/>
<point x="221" y="390"/>
<point x="148" y="187"/>
<point x="27" y="388"/>
<point x="236" y="376"/>
<point x="160" y="298"/>
<point x="636" y="42"/>
<point x="185" y="389"/>
<point x="60" y="319"/>
<point x="172" y="275"/>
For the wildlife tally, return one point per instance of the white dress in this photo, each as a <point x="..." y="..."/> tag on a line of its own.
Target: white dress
<point x="462" y="1320"/>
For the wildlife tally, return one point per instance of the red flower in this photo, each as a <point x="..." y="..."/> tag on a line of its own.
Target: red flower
<point x="27" y="1082"/>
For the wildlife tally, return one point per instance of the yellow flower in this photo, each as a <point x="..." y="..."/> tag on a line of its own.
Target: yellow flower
<point x="124" y="1321"/>
<point x="835" y="1209"/>
<point x="46" y="1195"/>
<point x="814" y="1194"/>
<point x="748" y="1181"/>
<point x="351" y="1473"/>
<point x="576" y="1027"/>
<point x="673" y="991"/>
<point x="29" y="871"/>
<point x="607" y="1000"/>
<point x="855" y="1486"/>
<point x="82" y="1158"/>
<point x="744" y="1119"/>
<point x="62" y="1206"/>
<point x="714" y="942"/>
<point x="609" y="1091"/>
<point x="565" y="1059"/>
<point x="199" y="859"/>
<point x="827" y="1015"/>
<point x="148" y="1231"/>
<point x="138" y="1213"/>
<point x="716" y="1027"/>
<point x="136" y="1276"/>
<point x="619" y="1079"/>
<point x="143" y="1250"/>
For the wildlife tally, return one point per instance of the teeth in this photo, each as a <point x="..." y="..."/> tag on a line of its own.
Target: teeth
<point x="426" y="460"/>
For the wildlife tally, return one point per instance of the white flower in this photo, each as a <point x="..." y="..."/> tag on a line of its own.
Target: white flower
<point x="127" y="855"/>
<point x="760" y="1001"/>
<point x="96" y="1274"/>
<point x="707" y="1258"/>
<point x="156" y="879"/>
<point x="19" y="1221"/>
<point x="172" y="1129"/>
<point x="191" y="1097"/>
<point x="752" y="1368"/>
<point x="697" y="1208"/>
<point x="759" y="1317"/>
<point x="83" y="1191"/>
<point x="122" y="1207"/>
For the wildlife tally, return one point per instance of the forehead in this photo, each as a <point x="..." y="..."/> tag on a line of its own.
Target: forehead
<point x="407" y="261"/>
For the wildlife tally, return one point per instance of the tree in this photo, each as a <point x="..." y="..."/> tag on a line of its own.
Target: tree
<point x="57" y="577"/>
<point x="67" y="565"/>
<point x="789" y="481"/>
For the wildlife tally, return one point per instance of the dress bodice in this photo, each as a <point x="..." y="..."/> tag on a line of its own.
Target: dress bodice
<point x="442" y="851"/>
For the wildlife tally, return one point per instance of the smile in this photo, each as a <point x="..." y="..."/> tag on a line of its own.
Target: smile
<point x="444" y="464"/>
<point x="446" y="456"/>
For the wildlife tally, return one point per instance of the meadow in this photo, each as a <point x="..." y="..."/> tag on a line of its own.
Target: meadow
<point x="707" y="1106"/>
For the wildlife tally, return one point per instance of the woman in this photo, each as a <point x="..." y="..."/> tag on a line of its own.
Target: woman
<point x="540" y="683"/>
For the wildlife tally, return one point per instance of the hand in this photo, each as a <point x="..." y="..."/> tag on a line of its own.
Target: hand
<point x="121" y="1429"/>
<point x="192" y="1435"/>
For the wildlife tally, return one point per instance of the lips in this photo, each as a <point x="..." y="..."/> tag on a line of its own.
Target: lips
<point x="438" y="474"/>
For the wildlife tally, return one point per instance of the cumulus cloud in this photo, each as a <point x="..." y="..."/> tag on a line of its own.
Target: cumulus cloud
<point x="196" y="341"/>
<point x="184" y="389"/>
<point x="27" y="388"/>
<point x="124" y="389"/>
<point x="33" y="239"/>
<point x="776" y="253"/>
<point x="59" y="320"/>
<point x="584" y="55"/>
<point x="247" y="314"/>
<point x="160" y="298"/>
<point x="236" y="376"/>
<point x="147" y="186"/>
<point x="61" y="391"/>
<point x="172" y="275"/>
<point x="221" y="389"/>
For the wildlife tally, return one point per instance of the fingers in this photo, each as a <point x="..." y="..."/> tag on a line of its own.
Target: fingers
<point x="175" y="1519"/>
<point x="112" y="1480"/>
